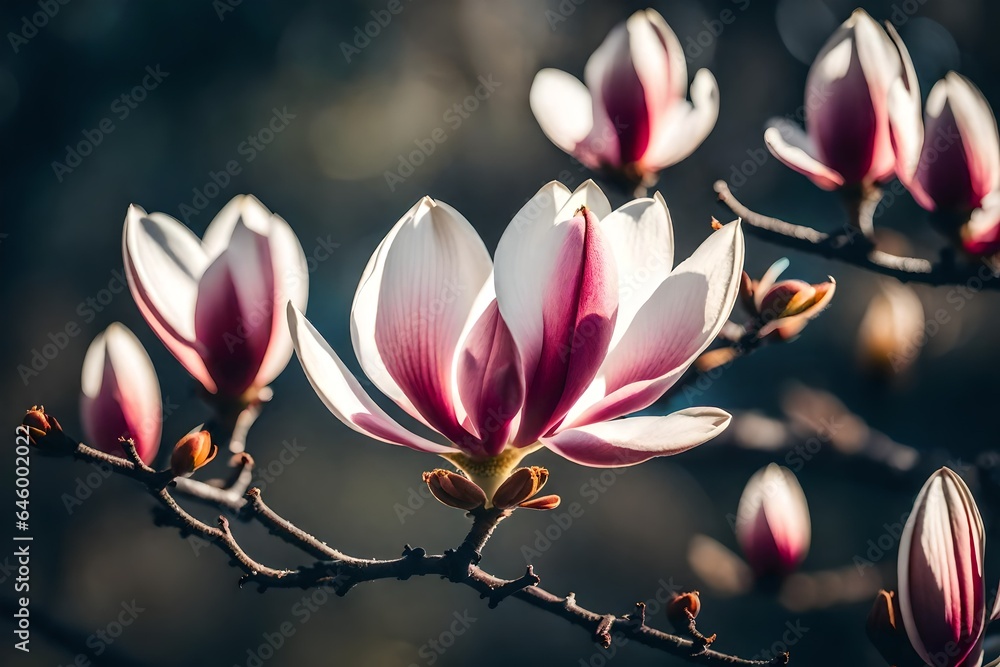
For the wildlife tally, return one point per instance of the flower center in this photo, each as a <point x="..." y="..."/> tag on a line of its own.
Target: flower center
<point x="490" y="473"/>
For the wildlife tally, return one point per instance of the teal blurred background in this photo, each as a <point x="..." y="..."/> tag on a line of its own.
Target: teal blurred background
<point x="210" y="76"/>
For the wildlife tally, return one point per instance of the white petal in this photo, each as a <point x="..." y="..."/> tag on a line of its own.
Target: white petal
<point x="791" y="145"/>
<point x="679" y="320"/>
<point x="589" y="194"/>
<point x="677" y="133"/>
<point x="562" y="107"/>
<point x="524" y="262"/>
<point x="642" y="238"/>
<point x="291" y="285"/>
<point x="168" y="261"/>
<point x="341" y="392"/>
<point x="629" y="441"/>
<point x="434" y="269"/>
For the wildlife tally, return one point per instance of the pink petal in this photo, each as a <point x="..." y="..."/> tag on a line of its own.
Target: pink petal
<point x="661" y="64"/>
<point x="434" y="268"/>
<point x="674" y="326"/>
<point x="618" y="96"/>
<point x="629" y="441"/>
<point x="342" y="393"/>
<point x="234" y="311"/>
<point x="960" y="161"/>
<point x="120" y="394"/>
<point x="844" y="126"/>
<point x="489" y="380"/>
<point x="941" y="588"/>
<point x="557" y="290"/>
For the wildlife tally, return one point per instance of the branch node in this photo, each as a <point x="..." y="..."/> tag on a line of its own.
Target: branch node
<point x="508" y="588"/>
<point x="637" y="618"/>
<point x="603" y="631"/>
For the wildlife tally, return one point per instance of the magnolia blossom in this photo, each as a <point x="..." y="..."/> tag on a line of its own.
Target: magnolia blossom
<point x="956" y="168"/>
<point x="772" y="522"/>
<point x="582" y="318"/>
<point x="958" y="164"/>
<point x="850" y="86"/>
<point x="120" y="395"/>
<point x="218" y="303"/>
<point x="942" y="595"/>
<point x="632" y="116"/>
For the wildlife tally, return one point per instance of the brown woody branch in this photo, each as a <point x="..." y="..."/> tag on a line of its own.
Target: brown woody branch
<point x="342" y="572"/>
<point x="851" y="247"/>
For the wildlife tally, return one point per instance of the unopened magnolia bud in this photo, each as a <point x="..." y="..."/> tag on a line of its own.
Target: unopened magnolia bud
<point x="44" y="430"/>
<point x="454" y="489"/>
<point x="683" y="608"/>
<point x="783" y="309"/>
<point x="192" y="452"/>
<point x="886" y="632"/>
<point x="522" y="485"/>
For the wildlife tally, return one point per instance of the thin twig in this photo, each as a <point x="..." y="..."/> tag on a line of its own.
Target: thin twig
<point x="342" y="572"/>
<point x="851" y="247"/>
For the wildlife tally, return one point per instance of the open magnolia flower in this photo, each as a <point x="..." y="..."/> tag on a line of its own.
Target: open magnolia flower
<point x="942" y="593"/>
<point x="120" y="395"/>
<point x="848" y="143"/>
<point x="581" y="319"/>
<point x="632" y="118"/>
<point x="218" y="304"/>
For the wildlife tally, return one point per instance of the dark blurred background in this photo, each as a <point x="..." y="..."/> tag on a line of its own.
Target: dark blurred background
<point x="225" y="70"/>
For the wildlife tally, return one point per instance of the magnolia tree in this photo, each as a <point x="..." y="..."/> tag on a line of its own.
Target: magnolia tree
<point x="580" y="319"/>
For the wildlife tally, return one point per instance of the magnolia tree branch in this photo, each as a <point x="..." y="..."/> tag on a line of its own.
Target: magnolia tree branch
<point x="851" y="247"/>
<point x="341" y="572"/>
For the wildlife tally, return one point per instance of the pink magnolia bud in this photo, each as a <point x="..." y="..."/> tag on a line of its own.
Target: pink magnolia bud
<point x="772" y="522"/>
<point x="218" y="304"/>
<point x="784" y="308"/>
<point x="942" y="596"/>
<point x="847" y="140"/>
<point x="120" y="394"/>
<point x="632" y="117"/>
<point x="959" y="162"/>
